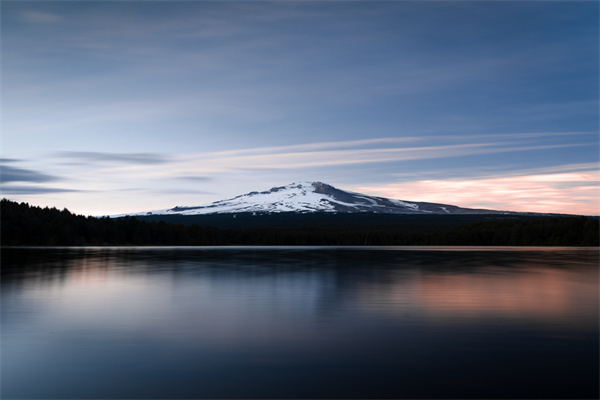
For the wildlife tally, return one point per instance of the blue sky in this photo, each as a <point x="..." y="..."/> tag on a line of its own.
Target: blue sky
<point x="124" y="106"/>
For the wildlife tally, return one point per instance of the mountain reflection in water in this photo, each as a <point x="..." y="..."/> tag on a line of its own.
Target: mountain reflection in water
<point x="299" y="323"/>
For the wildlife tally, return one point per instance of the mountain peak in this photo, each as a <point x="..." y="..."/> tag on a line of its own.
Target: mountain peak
<point x="302" y="185"/>
<point x="306" y="196"/>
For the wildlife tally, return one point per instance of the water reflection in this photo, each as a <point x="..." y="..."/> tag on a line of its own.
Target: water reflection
<point x="299" y="323"/>
<point x="532" y="293"/>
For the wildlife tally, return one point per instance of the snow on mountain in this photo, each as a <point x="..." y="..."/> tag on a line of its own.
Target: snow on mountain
<point x="314" y="197"/>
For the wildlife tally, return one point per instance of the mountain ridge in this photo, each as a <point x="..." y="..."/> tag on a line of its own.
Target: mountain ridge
<point x="310" y="197"/>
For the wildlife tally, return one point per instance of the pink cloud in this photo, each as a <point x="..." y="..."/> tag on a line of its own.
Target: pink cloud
<point x="569" y="193"/>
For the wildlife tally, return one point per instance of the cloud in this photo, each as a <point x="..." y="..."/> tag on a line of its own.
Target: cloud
<point x="16" y="189"/>
<point x="194" y="178"/>
<point x="12" y="174"/>
<point x="171" y="191"/>
<point x="166" y="191"/>
<point x="85" y="157"/>
<point x="40" y="17"/>
<point x="489" y="172"/>
<point x="325" y="156"/>
<point x="319" y="146"/>
<point x="292" y="157"/>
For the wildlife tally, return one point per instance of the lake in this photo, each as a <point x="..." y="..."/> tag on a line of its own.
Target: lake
<point x="299" y="322"/>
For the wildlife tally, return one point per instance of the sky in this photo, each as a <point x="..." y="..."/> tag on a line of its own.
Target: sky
<point x="110" y="107"/>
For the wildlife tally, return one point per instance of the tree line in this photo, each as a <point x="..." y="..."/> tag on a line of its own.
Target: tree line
<point x="25" y="225"/>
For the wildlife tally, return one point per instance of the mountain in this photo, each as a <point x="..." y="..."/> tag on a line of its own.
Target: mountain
<point x="308" y="197"/>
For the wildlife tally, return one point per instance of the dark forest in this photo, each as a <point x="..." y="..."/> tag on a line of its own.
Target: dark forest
<point x="25" y="225"/>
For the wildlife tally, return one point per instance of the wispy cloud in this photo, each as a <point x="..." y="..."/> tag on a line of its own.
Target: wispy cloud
<point x="523" y="140"/>
<point x="30" y="190"/>
<point x="34" y="16"/>
<point x="194" y="178"/>
<point x="294" y="157"/>
<point x="85" y="157"/>
<point x="166" y="191"/>
<point x="488" y="172"/>
<point x="12" y="174"/>
<point x="179" y="190"/>
<point x="317" y="146"/>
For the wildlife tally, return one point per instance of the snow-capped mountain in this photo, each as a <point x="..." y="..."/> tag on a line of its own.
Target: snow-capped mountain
<point x="315" y="197"/>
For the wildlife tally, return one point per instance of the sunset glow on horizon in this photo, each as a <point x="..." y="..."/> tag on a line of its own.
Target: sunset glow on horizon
<point x="542" y="193"/>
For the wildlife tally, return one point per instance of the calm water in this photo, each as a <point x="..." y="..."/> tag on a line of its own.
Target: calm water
<point x="299" y="323"/>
